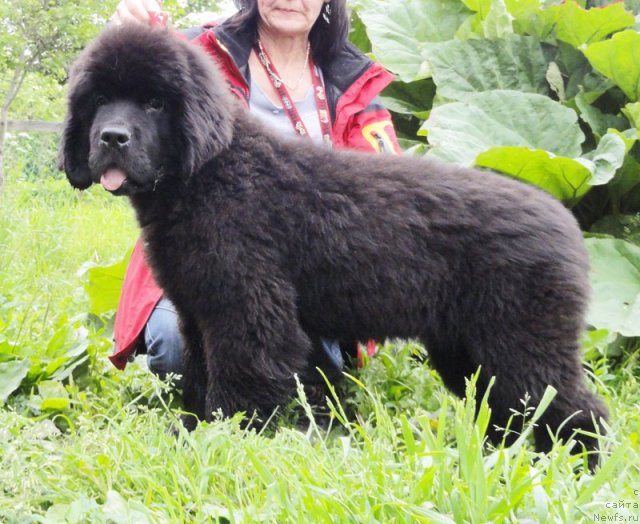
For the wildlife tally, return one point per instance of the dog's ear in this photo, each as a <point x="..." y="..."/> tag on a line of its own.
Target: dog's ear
<point x="73" y="151"/>
<point x="208" y="111"/>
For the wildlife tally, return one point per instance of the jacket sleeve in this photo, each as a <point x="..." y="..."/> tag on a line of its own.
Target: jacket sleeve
<point x="372" y="130"/>
<point x="138" y="298"/>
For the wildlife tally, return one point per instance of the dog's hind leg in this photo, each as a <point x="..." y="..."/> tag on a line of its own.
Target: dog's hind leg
<point x="575" y="408"/>
<point x="526" y="349"/>
<point x="523" y="366"/>
<point x="453" y="363"/>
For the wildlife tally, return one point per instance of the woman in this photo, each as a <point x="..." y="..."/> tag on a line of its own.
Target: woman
<point x="290" y="63"/>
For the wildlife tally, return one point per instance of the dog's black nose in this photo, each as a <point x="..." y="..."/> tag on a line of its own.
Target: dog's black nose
<point x="115" y="136"/>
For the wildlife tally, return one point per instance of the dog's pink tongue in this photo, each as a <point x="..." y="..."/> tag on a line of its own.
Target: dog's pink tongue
<point x="112" y="179"/>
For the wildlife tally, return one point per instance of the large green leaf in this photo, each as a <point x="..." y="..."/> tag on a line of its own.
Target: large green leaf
<point x="580" y="75"/>
<point x="64" y="352"/>
<point x="11" y="375"/>
<point x="598" y="121"/>
<point x="606" y="159"/>
<point x="461" y="67"/>
<point x="626" y="180"/>
<point x="492" y="20"/>
<point x="615" y="278"/>
<point x="398" y="30"/>
<point x="633" y="5"/>
<point x="619" y="60"/>
<point x="529" y="18"/>
<point x="577" y="25"/>
<point x="628" y="177"/>
<point x="632" y="112"/>
<point x="565" y="178"/>
<point x="415" y="98"/>
<point x="358" y="34"/>
<point x="53" y="396"/>
<point x="479" y="6"/>
<point x="498" y="22"/>
<point x="460" y="131"/>
<point x="626" y="227"/>
<point x="104" y="285"/>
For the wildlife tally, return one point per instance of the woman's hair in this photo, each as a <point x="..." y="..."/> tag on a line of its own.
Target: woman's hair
<point x="326" y="38"/>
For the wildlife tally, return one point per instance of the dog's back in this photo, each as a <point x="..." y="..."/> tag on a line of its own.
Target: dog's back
<point x="356" y="230"/>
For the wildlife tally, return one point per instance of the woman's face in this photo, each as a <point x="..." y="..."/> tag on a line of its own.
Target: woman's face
<point x="289" y="17"/>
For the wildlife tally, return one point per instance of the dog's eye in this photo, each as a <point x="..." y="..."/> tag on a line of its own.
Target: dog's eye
<point x="155" y="104"/>
<point x="100" y="100"/>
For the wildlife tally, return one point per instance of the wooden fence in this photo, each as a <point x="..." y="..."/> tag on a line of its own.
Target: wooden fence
<point x="34" y="125"/>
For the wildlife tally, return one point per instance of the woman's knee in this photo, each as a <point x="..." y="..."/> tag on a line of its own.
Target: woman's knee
<point x="163" y="340"/>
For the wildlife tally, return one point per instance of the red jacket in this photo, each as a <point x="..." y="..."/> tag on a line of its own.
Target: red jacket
<point x="359" y="121"/>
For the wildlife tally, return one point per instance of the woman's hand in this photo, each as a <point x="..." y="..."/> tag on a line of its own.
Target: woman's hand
<point x="136" y="11"/>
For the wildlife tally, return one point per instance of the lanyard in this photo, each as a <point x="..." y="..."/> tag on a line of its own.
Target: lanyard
<point x="287" y="102"/>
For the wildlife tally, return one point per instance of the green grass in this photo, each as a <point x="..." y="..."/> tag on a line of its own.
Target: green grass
<point x="99" y="446"/>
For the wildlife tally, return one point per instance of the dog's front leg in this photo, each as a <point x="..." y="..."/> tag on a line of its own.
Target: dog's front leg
<point x="194" y="375"/>
<point x="254" y="348"/>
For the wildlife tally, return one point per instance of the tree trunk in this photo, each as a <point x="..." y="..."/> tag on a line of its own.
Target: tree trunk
<point x="3" y="135"/>
<point x="14" y="87"/>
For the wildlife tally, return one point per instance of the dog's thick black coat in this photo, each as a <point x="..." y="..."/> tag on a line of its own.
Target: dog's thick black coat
<point x="265" y="245"/>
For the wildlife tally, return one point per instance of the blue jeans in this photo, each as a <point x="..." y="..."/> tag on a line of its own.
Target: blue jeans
<point x="163" y="340"/>
<point x="165" y="346"/>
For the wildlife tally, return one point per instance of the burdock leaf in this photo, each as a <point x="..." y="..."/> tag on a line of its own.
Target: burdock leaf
<point x="607" y="158"/>
<point x="458" y="132"/>
<point x="470" y="66"/>
<point x="577" y="25"/>
<point x="11" y="375"/>
<point x="619" y="60"/>
<point x="104" y="284"/>
<point x="632" y="112"/>
<point x="565" y="178"/>
<point x="615" y="279"/>
<point x="398" y="30"/>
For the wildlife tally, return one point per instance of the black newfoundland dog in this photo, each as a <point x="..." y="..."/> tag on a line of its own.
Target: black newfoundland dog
<point x="266" y="245"/>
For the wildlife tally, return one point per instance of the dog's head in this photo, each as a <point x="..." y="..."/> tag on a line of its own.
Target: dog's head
<point x="142" y="105"/>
